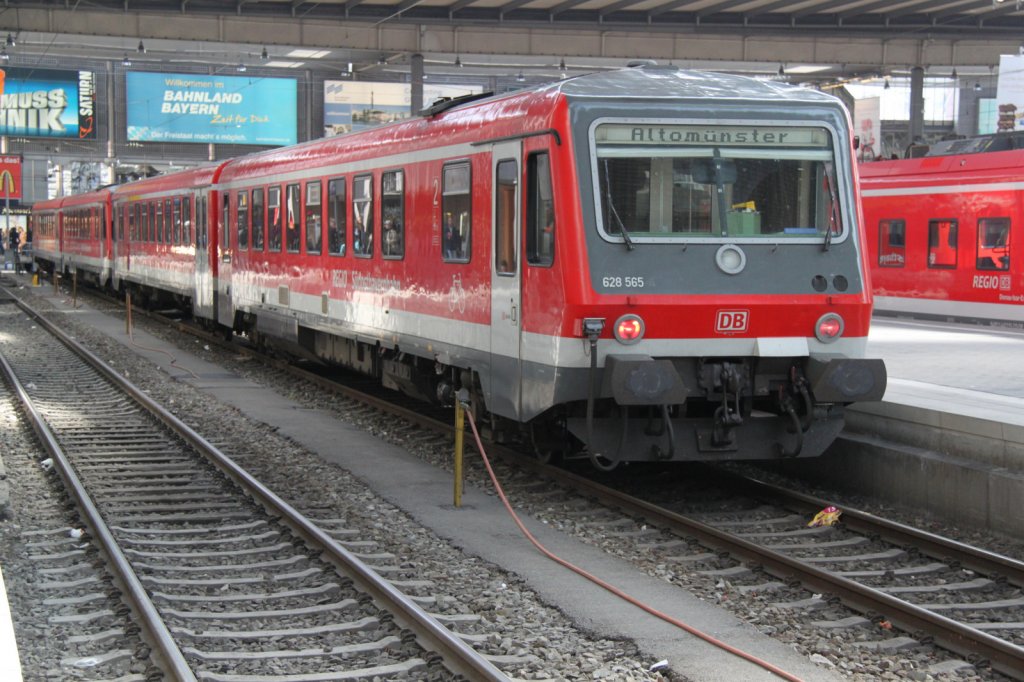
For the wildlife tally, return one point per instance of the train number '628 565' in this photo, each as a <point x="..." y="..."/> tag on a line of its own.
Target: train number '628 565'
<point x="630" y="282"/>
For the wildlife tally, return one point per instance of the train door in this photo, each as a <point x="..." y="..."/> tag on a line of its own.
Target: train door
<point x="506" y="311"/>
<point x="202" y="295"/>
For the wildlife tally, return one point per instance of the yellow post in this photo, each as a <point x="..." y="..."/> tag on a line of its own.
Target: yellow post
<point x="460" y="430"/>
<point x="56" y="282"/>
<point x="35" y="279"/>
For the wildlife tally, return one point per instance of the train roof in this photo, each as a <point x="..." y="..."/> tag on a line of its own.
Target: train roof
<point x="530" y="110"/>
<point x="936" y="170"/>
<point x="200" y="176"/>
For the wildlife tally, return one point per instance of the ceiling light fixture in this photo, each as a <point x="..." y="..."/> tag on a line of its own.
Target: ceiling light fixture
<point x="240" y="68"/>
<point x="977" y="86"/>
<point x="520" y="77"/>
<point x="10" y="40"/>
<point x="953" y="75"/>
<point x="4" y="57"/>
<point x="125" y="62"/>
<point x="458" y="62"/>
<point x="141" y="48"/>
<point x="561" y="66"/>
<point x="263" y="55"/>
<point x="886" y="86"/>
<point x="782" y="71"/>
<point x="382" y="60"/>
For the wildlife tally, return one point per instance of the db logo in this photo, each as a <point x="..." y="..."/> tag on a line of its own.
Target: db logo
<point x="732" y="321"/>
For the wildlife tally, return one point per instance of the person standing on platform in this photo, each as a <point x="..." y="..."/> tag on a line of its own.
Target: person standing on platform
<point x="13" y="241"/>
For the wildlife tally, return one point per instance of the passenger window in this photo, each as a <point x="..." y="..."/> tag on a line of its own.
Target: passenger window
<point x="540" y="229"/>
<point x="942" y="236"/>
<point x="293" y="214"/>
<point x="159" y="213"/>
<point x="274" y="219"/>
<point x="362" y="216"/>
<point x="257" y="219"/>
<point x="392" y="207"/>
<point x="225" y="229"/>
<point x="505" y="258"/>
<point x="892" y="243"/>
<point x="456" y="212"/>
<point x="314" y="217"/>
<point x="242" y="220"/>
<point x="186" y="221"/>
<point x="177" y="222"/>
<point x="336" y="217"/>
<point x="993" y="244"/>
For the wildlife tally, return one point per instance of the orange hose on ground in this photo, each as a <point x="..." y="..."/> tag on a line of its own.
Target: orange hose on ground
<point x="611" y="588"/>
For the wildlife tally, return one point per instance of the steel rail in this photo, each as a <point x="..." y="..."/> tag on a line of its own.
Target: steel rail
<point x="948" y="633"/>
<point x="458" y="656"/>
<point x="156" y="632"/>
<point x="1005" y="657"/>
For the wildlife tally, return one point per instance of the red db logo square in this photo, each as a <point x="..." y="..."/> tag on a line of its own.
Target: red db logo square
<point x="732" y="321"/>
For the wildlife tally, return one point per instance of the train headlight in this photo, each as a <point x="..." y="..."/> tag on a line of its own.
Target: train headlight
<point x="629" y="329"/>
<point x="829" y="328"/>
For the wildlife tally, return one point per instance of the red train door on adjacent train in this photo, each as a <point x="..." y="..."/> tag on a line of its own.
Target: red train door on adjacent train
<point x="506" y="301"/>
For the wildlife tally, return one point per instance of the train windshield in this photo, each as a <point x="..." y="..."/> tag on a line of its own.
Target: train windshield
<point x="670" y="182"/>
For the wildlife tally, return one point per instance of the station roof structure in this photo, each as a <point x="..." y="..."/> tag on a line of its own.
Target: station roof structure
<point x="812" y="41"/>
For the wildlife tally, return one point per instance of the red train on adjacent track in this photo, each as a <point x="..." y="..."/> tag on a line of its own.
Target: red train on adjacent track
<point x="642" y="265"/>
<point x="945" y="231"/>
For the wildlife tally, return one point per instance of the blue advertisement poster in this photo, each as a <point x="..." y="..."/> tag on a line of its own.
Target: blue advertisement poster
<point x="170" y="107"/>
<point x="47" y="103"/>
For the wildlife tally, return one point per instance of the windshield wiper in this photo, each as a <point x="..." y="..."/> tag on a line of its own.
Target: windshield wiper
<point x="832" y="221"/>
<point x="611" y="206"/>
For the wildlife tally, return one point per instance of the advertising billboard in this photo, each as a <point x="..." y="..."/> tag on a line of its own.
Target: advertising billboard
<point x="48" y="103"/>
<point x="170" y="107"/>
<point x="355" y="105"/>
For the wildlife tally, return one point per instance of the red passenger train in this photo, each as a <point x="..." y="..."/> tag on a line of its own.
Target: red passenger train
<point x="944" y="231"/>
<point x="641" y="265"/>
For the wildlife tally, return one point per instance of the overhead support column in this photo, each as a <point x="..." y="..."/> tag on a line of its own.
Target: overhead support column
<point x="416" y="73"/>
<point x="916" y="104"/>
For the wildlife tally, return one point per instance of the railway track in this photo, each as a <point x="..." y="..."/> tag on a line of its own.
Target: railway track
<point x="900" y="588"/>
<point x="225" y="580"/>
<point x="913" y="588"/>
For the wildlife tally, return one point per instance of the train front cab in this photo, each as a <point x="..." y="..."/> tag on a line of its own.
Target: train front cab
<point x="717" y="300"/>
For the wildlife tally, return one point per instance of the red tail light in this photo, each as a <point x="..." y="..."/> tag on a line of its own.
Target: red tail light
<point x="629" y="329"/>
<point x="829" y="328"/>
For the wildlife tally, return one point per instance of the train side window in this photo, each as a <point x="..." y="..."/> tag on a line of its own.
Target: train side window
<point x="505" y="258"/>
<point x="336" y="226"/>
<point x="456" y="212"/>
<point x="176" y="222"/>
<point x="186" y="221"/>
<point x="892" y="243"/>
<point x="147" y="225"/>
<point x="257" y="219"/>
<point x="158" y="209"/>
<point x="132" y="223"/>
<point x="225" y="229"/>
<point x="242" y="220"/>
<point x="274" y="219"/>
<point x="942" y="241"/>
<point x="293" y="214"/>
<point x="392" y="208"/>
<point x="202" y="224"/>
<point x="314" y="217"/>
<point x="540" y="212"/>
<point x="362" y="216"/>
<point x="993" y="244"/>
